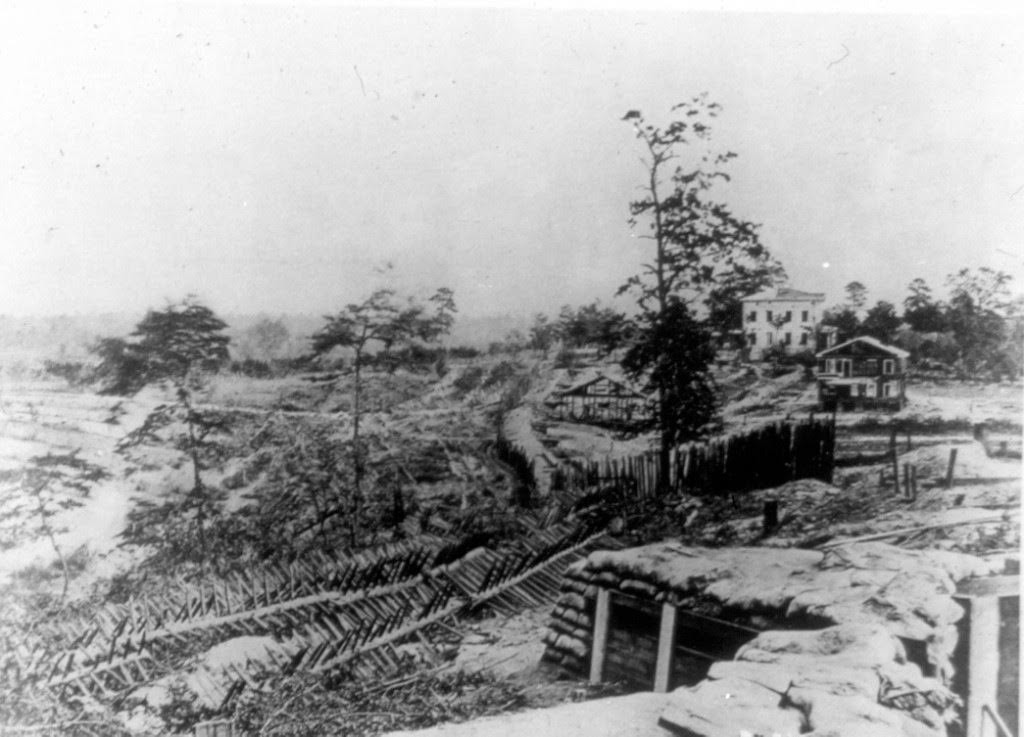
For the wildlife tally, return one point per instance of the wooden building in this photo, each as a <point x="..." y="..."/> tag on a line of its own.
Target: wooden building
<point x="600" y="401"/>
<point x="862" y="373"/>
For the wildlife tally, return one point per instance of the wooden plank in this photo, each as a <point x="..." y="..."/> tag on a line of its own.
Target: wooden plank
<point x="666" y="648"/>
<point x="983" y="664"/>
<point x="602" y="614"/>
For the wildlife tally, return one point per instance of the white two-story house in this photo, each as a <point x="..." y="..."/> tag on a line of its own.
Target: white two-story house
<point x="781" y="316"/>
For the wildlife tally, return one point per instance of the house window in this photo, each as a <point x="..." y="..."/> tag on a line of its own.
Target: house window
<point x="887" y="390"/>
<point x="888" y="366"/>
<point x="753" y="338"/>
<point x="768" y="315"/>
<point x="804" y="316"/>
<point x="789" y="339"/>
<point x="789" y="315"/>
<point x="768" y="336"/>
<point x="870" y="390"/>
<point x="803" y="338"/>
<point x="752" y="316"/>
<point x="830" y="365"/>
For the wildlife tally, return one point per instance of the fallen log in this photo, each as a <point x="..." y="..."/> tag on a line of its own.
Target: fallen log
<point x="913" y="530"/>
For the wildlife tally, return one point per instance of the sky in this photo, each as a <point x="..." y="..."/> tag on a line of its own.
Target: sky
<point x="273" y="158"/>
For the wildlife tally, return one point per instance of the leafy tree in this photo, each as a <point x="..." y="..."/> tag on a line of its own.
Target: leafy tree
<point x="199" y="434"/>
<point x="978" y="305"/>
<point x="844" y="319"/>
<point x="121" y="369"/>
<point x="987" y="289"/>
<point x="543" y="333"/>
<point x="32" y="497"/>
<point x="184" y="338"/>
<point x="670" y="358"/>
<point x="593" y="325"/>
<point x="881" y="321"/>
<point x="180" y="344"/>
<point x="725" y="299"/>
<point x="856" y="295"/>
<point x="181" y="339"/>
<point x="381" y="320"/>
<point x="699" y="246"/>
<point x="920" y="311"/>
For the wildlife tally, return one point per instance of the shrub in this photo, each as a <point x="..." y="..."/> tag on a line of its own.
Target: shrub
<point x="468" y="380"/>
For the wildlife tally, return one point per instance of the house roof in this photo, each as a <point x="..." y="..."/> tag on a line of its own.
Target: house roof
<point x="891" y="349"/>
<point x="785" y="294"/>
<point x="578" y="388"/>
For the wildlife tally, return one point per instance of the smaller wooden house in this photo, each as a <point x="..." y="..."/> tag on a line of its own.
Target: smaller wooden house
<point x="600" y="401"/>
<point x="862" y="373"/>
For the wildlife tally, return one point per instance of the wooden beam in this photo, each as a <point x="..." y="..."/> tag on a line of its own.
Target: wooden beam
<point x="666" y="648"/>
<point x="983" y="664"/>
<point x="602" y="613"/>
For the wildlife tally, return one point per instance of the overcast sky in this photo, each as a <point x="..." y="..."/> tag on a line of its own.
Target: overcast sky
<point x="270" y="158"/>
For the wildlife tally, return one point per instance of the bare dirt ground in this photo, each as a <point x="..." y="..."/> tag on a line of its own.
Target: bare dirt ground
<point x="437" y="420"/>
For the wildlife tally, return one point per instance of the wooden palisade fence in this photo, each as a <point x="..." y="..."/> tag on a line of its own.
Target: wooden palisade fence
<point x="758" y="459"/>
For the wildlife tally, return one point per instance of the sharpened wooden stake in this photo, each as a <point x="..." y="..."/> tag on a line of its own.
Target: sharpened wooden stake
<point x="602" y="612"/>
<point x="950" y="468"/>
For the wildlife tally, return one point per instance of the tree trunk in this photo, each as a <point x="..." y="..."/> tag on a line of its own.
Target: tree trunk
<point x="56" y="548"/>
<point x="198" y="490"/>
<point x="357" y="450"/>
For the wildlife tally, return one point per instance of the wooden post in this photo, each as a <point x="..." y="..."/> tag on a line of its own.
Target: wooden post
<point x="895" y="468"/>
<point x="950" y="468"/>
<point x="602" y="612"/>
<point x="666" y="648"/>
<point x="983" y="663"/>
<point x="771" y="515"/>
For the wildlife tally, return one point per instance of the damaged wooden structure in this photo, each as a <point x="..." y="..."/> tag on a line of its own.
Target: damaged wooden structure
<point x="601" y="401"/>
<point x="862" y="638"/>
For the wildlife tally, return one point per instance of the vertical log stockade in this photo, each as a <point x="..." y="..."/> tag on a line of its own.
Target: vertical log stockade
<point x="762" y="458"/>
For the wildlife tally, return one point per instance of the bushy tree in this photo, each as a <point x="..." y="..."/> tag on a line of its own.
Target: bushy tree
<point x="856" y="295"/>
<point x="593" y="325"/>
<point x="543" y="333"/>
<point x="381" y="321"/>
<point x="881" y="322"/>
<point x="184" y="339"/>
<point x="671" y="358"/>
<point x="179" y="344"/>
<point x="978" y="306"/>
<point x="33" y="496"/>
<point x="920" y="310"/>
<point x="700" y="249"/>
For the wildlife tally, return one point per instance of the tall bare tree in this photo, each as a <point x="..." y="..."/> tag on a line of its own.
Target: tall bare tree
<point x="704" y="257"/>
